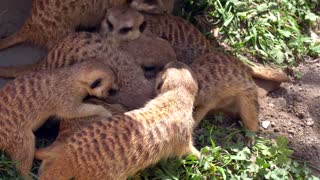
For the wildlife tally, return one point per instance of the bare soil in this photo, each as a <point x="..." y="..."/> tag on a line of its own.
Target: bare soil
<point x="293" y="110"/>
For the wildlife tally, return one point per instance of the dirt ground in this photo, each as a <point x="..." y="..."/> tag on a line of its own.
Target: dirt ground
<point x="293" y="110"/>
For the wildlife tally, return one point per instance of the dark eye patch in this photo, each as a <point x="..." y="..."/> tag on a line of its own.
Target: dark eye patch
<point x="96" y="83"/>
<point x="125" y="30"/>
<point x="110" y="26"/>
<point x="142" y="27"/>
<point x="112" y="92"/>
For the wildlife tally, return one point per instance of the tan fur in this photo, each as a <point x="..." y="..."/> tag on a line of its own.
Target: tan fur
<point x="69" y="127"/>
<point x="125" y="144"/>
<point x="225" y="82"/>
<point x="189" y="43"/>
<point x="127" y="58"/>
<point x="153" y="6"/>
<point x="27" y="101"/>
<point x="51" y="21"/>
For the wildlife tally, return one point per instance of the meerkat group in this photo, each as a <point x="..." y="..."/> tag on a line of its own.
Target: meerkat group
<point x="132" y="66"/>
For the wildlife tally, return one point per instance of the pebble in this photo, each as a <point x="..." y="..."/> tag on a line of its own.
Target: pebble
<point x="309" y="122"/>
<point x="265" y="124"/>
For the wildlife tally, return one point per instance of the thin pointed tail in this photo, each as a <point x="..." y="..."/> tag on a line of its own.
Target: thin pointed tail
<point x="11" y="40"/>
<point x="269" y="74"/>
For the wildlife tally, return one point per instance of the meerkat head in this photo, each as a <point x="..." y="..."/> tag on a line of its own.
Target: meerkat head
<point x="176" y="75"/>
<point x="98" y="80"/>
<point x="123" y="24"/>
<point x="150" y="6"/>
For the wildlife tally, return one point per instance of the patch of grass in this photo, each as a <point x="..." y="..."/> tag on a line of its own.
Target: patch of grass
<point x="267" y="159"/>
<point x="276" y="31"/>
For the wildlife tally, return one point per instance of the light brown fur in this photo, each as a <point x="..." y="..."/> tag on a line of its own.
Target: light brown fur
<point x="128" y="58"/>
<point x="125" y="144"/>
<point x="189" y="43"/>
<point x="69" y="127"/>
<point x="51" y="21"/>
<point x="27" y="101"/>
<point x="225" y="84"/>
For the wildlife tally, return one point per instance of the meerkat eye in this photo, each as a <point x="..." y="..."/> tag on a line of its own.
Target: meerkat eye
<point x="143" y="26"/>
<point x="96" y="83"/>
<point x="125" y="30"/>
<point x="129" y="1"/>
<point x="112" y="92"/>
<point x="110" y="26"/>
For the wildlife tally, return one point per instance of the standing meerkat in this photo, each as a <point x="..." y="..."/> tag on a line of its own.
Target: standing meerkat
<point x="28" y="101"/>
<point x="51" y="21"/>
<point x="125" y="144"/>
<point x="225" y="84"/>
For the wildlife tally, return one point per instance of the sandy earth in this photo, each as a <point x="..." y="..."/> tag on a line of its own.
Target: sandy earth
<point x="293" y="111"/>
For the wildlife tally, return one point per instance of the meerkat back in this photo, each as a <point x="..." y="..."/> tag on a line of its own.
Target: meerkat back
<point x="125" y="144"/>
<point x="50" y="21"/>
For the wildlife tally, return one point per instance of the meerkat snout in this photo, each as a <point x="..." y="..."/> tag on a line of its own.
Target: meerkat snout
<point x="123" y="23"/>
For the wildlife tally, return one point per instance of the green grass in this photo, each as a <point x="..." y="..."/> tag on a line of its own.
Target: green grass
<point x="231" y="159"/>
<point x="269" y="31"/>
<point x="267" y="159"/>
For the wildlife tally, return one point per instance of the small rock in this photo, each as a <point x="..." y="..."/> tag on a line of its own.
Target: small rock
<point x="309" y="122"/>
<point x="265" y="124"/>
<point x="273" y="124"/>
<point x="271" y="105"/>
<point x="291" y="131"/>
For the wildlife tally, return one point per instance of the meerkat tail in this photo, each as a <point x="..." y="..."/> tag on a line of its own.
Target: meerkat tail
<point x="11" y="40"/>
<point x="269" y="74"/>
<point x="14" y="71"/>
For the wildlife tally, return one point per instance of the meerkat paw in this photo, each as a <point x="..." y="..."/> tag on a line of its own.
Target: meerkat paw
<point x="194" y="151"/>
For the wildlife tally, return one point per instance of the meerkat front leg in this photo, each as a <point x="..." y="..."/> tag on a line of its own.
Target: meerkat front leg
<point x="85" y="110"/>
<point x="194" y="151"/>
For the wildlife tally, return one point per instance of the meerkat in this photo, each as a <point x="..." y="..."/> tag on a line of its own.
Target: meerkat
<point x="130" y="59"/>
<point x="69" y="127"/>
<point x="119" y="27"/>
<point x="189" y="43"/>
<point x="27" y="101"/>
<point x="226" y="84"/>
<point x="122" y="145"/>
<point x="50" y="21"/>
